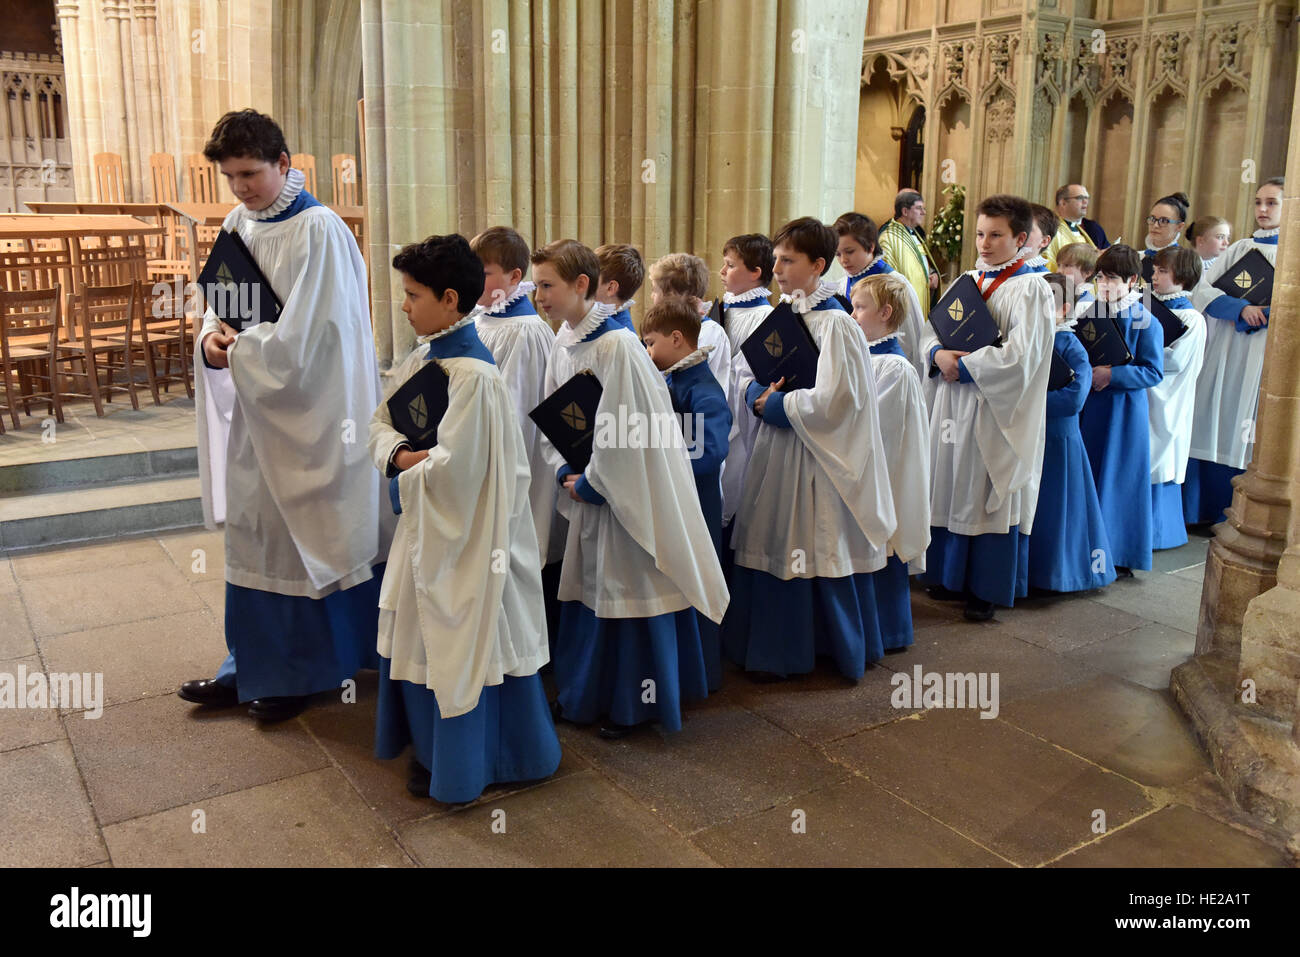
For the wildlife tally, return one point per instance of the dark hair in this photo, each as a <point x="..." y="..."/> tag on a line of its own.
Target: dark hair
<point x="673" y="313"/>
<point x="1203" y="225"/>
<point x="755" y="251"/>
<point x="811" y="237"/>
<point x="1063" y="193"/>
<point x="906" y="198"/>
<point x="501" y="246"/>
<point x="1119" y="260"/>
<point x="1063" y="290"/>
<point x="1178" y="201"/>
<point x="623" y="264"/>
<point x="1048" y="222"/>
<point x="570" y="260"/>
<point x="1016" y="211"/>
<point x="1183" y="262"/>
<point x="863" y="229"/>
<point x="245" y="133"/>
<point x="442" y="263"/>
<point x="1274" y="181"/>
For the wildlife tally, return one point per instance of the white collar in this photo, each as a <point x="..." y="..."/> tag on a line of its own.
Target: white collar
<point x="1065" y="325"/>
<point x="1023" y="253"/>
<point x="885" y="338"/>
<point x="1158" y="248"/>
<point x="1127" y="300"/>
<point x="1036" y="261"/>
<point x="1074" y="222"/>
<point x="458" y="324"/>
<point x="824" y="291"/>
<point x="1207" y="263"/>
<point x="597" y="314"/>
<point x="626" y="307"/>
<point x="735" y="299"/>
<point x="293" y="184"/>
<point x="1265" y="233"/>
<point x="1166" y="296"/>
<point x="521" y="290"/>
<point x="694" y="359"/>
<point x="867" y="268"/>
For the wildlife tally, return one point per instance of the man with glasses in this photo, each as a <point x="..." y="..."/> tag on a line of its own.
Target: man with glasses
<point x="902" y="243"/>
<point x="1074" y="226"/>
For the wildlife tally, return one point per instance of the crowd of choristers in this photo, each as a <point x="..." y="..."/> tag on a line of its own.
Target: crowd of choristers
<point x="781" y="525"/>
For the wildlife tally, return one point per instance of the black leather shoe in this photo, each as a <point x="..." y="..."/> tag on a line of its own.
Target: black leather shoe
<point x="611" y="731"/>
<point x="419" y="779"/>
<point x="277" y="709"/>
<point x="209" y="692"/>
<point x="1122" y="571"/>
<point x="977" y="610"/>
<point x="939" y="593"/>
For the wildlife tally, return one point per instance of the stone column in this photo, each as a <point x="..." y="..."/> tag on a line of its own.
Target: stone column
<point x="77" y="105"/>
<point x="1240" y="691"/>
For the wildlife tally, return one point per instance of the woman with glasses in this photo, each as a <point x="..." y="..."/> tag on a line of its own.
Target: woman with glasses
<point x="1163" y="226"/>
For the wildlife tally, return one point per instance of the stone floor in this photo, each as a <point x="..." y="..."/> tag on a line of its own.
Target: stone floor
<point x="806" y="772"/>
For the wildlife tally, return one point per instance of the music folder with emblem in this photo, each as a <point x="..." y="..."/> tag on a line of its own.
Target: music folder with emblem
<point x="1060" y="375"/>
<point x="235" y="287"/>
<point x="1099" y="331"/>
<point x="419" y="405"/>
<point x="962" y="321"/>
<point x="1173" y="326"/>
<point x="1249" y="278"/>
<point x="568" y="417"/>
<point x="782" y="347"/>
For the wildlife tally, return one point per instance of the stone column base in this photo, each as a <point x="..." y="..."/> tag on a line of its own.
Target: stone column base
<point x="1253" y="755"/>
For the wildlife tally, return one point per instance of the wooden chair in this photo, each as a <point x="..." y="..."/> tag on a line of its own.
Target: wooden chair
<point x="200" y="179"/>
<point x="113" y="265"/>
<point x="165" y="334"/>
<point x="307" y="163"/>
<point x="162" y="166"/>
<point x="23" y="270"/>
<point x="108" y="177"/>
<point x="347" y="179"/>
<point x="29" y="331"/>
<point x="103" y="338"/>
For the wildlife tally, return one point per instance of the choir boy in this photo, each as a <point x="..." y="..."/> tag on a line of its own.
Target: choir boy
<point x="1043" y="228"/>
<point x="1068" y="550"/>
<point x="987" y="424"/>
<point x="816" y="513"/>
<point x="1077" y="262"/>
<point x="622" y="270"/>
<point x="879" y="304"/>
<point x="628" y="648"/>
<point x="1115" y="420"/>
<point x="684" y="275"/>
<point x="859" y="255"/>
<point x="671" y="332"/>
<point x="1209" y="236"/>
<point x="1173" y="398"/>
<point x="462" y="627"/>
<point x="1227" y="391"/>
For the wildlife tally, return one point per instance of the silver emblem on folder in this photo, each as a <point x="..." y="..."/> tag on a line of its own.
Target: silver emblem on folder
<point x="773" y="344"/>
<point x="574" y="417"/>
<point x="419" y="411"/>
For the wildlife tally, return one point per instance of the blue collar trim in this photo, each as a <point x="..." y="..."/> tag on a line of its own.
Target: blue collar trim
<point x="304" y="200"/>
<point x="463" y="343"/>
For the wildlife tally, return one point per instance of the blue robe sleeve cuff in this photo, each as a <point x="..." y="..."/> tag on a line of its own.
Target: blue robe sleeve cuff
<point x="774" y="411"/>
<point x="204" y="356"/>
<point x="587" y="493"/>
<point x="752" y="394"/>
<point x="562" y="471"/>
<point x="963" y="374"/>
<point x="934" y="369"/>
<point x="1246" y="327"/>
<point x="395" y="494"/>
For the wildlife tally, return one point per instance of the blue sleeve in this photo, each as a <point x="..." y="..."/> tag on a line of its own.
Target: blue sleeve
<point x="931" y="366"/>
<point x="1148" y="365"/>
<point x="395" y="495"/>
<point x="587" y="493"/>
<point x="774" y="411"/>
<point x="752" y="394"/>
<point x="562" y="471"/>
<point x="1226" y="307"/>
<point x="204" y="355"/>
<point x="962" y="374"/>
<point x="1070" y="399"/>
<point x="710" y="442"/>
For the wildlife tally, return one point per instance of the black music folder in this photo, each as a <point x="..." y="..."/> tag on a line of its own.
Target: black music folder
<point x="1250" y="278"/>
<point x="235" y="287"/>
<point x="1101" y="335"/>
<point x="781" y="346"/>
<point x="1061" y="374"/>
<point x="1148" y="268"/>
<point x="716" y="312"/>
<point x="962" y="320"/>
<point x="418" y="406"/>
<point x="1169" y="321"/>
<point x="568" y="417"/>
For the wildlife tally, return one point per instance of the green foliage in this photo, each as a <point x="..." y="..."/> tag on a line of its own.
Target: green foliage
<point x="946" y="230"/>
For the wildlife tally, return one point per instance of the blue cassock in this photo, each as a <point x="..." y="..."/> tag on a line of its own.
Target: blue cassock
<point x="622" y="318"/>
<point x="1117" y="434"/>
<point x="287" y="645"/>
<point x="696" y="392"/>
<point x="600" y="664"/>
<point x="1068" y="550"/>
<point x="878" y="268"/>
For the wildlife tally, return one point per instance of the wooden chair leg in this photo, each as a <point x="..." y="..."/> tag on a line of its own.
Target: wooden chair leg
<point x="129" y="368"/>
<point x="92" y="381"/>
<point x="151" y="373"/>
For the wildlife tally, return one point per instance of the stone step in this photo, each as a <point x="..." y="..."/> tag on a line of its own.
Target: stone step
<point x="65" y="516"/>
<point x="45" y="475"/>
